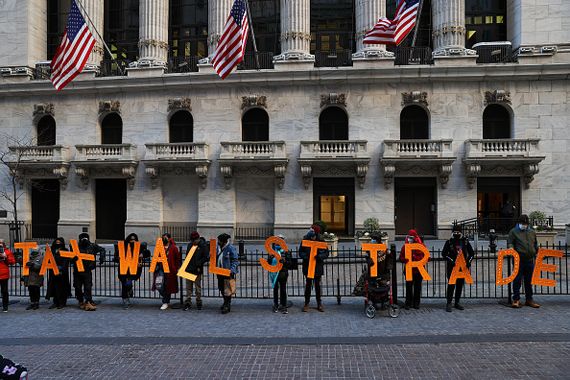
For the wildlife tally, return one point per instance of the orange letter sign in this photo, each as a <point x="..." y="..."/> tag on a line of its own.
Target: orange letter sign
<point x="75" y="253"/>
<point x="159" y="255"/>
<point x="416" y="264"/>
<point x="213" y="256"/>
<point x="315" y="245"/>
<point x="460" y="270"/>
<point x="277" y="267"/>
<point x="373" y="250"/>
<point x="49" y="263"/>
<point x="182" y="271"/>
<point x="499" y="275"/>
<point x="540" y="267"/>
<point x="26" y="247"/>
<point x="128" y="261"/>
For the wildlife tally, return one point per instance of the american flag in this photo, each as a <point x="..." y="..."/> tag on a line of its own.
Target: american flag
<point x="392" y="32"/>
<point x="231" y="47"/>
<point x="73" y="52"/>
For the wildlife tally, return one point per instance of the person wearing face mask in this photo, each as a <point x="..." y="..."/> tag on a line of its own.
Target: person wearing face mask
<point x="413" y="287"/>
<point x="170" y="280"/>
<point x="305" y="254"/>
<point x="196" y="267"/>
<point x="6" y="259"/>
<point x="83" y="281"/>
<point x="523" y="240"/>
<point x="227" y="257"/>
<point x="58" y="287"/>
<point x="452" y="248"/>
<point x="127" y="280"/>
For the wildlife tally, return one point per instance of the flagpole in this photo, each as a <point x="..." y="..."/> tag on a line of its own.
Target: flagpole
<point x="252" y="34"/>
<point x="99" y="35"/>
<point x="420" y="6"/>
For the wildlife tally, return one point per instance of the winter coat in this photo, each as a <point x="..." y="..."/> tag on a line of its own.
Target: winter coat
<point x="417" y="255"/>
<point x="524" y="242"/>
<point x="63" y="277"/>
<point x="9" y="260"/>
<point x="227" y="257"/>
<point x="34" y="278"/>
<point x="174" y="261"/>
<point x="201" y="257"/>
<point x="144" y="253"/>
<point x="92" y="249"/>
<point x="451" y="249"/>
<point x="322" y="254"/>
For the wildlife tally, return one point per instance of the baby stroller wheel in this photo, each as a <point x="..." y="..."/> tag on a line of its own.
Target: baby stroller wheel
<point x="370" y="311"/>
<point x="394" y="311"/>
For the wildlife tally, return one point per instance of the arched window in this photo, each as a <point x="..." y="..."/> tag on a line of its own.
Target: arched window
<point x="46" y="131"/>
<point x="255" y="125"/>
<point x="496" y="122"/>
<point x="181" y="127"/>
<point x="333" y="124"/>
<point x="414" y="123"/>
<point x="112" y="129"/>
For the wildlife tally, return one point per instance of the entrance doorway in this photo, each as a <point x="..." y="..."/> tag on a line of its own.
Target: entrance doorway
<point x="415" y="205"/>
<point x="498" y="203"/>
<point x="333" y="203"/>
<point x="110" y="208"/>
<point x="45" y="208"/>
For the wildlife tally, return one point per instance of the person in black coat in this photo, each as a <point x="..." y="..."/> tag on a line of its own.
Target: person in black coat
<point x="127" y="280"/>
<point x="322" y="254"/>
<point x="451" y="250"/>
<point x="83" y="281"/>
<point x="196" y="267"/>
<point x="59" y="287"/>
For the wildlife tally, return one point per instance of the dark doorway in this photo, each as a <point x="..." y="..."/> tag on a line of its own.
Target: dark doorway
<point x="333" y="124"/>
<point x="498" y="203"/>
<point x="111" y="208"/>
<point x="496" y="122"/>
<point x="181" y="127"/>
<point x="255" y="125"/>
<point x="45" y="208"/>
<point x="46" y="131"/>
<point x="414" y="123"/>
<point x="333" y="203"/>
<point x="415" y="205"/>
<point x="112" y="129"/>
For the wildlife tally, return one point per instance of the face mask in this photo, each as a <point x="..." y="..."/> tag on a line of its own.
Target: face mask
<point x="456" y="235"/>
<point x="410" y="240"/>
<point x="165" y="241"/>
<point x="522" y="227"/>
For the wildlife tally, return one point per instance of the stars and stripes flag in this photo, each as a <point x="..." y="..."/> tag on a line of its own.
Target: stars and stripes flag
<point x="73" y="51"/>
<point x="231" y="47"/>
<point x="392" y="32"/>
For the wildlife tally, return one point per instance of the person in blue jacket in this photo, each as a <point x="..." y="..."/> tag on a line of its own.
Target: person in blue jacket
<point x="227" y="258"/>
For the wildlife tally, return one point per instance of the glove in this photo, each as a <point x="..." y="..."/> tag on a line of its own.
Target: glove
<point x="101" y="261"/>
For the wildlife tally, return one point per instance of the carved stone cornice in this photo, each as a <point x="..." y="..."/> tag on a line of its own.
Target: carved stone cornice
<point x="414" y="97"/>
<point x="306" y="173"/>
<point x="156" y="169"/>
<point x="176" y="104"/>
<point x="125" y="170"/>
<point x="227" y="172"/>
<point x="437" y="168"/>
<point x="107" y="106"/>
<point x="295" y="36"/>
<point x="42" y="109"/>
<point x="333" y="99"/>
<point x="253" y="101"/>
<point x="497" y="96"/>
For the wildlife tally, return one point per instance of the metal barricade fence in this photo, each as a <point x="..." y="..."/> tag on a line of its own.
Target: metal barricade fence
<point x="341" y="273"/>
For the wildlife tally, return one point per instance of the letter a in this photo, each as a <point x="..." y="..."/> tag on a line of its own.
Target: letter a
<point x="460" y="270"/>
<point x="49" y="263"/>
<point x="159" y="256"/>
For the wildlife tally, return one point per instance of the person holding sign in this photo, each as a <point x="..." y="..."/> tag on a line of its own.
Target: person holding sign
<point x="414" y="286"/>
<point x="34" y="280"/>
<point x="279" y="279"/>
<point x="319" y="263"/>
<point x="58" y="286"/>
<point x="127" y="280"/>
<point x="166" y="280"/>
<point x="452" y="250"/>
<point x="227" y="258"/>
<point x="6" y="259"/>
<point x="523" y="240"/>
<point x="83" y="280"/>
<point x="196" y="267"/>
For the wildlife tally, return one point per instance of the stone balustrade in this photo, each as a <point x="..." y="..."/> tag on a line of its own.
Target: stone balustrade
<point x="417" y="148"/>
<point x="177" y="151"/>
<point x="501" y="148"/>
<point x="253" y="150"/>
<point x="334" y="149"/>
<point x="49" y="153"/>
<point x="106" y="152"/>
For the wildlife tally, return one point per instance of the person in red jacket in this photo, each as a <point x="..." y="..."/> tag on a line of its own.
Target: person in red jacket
<point x="169" y="281"/>
<point x="6" y="258"/>
<point x="413" y="287"/>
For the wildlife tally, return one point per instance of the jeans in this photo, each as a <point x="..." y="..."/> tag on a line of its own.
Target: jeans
<point x="280" y="289"/>
<point x="4" y="291"/>
<point x="166" y="297"/>
<point x="190" y="285"/>
<point x="83" y="283"/>
<point x="525" y="273"/>
<point x="308" y="285"/>
<point x="34" y="294"/>
<point x="414" y="290"/>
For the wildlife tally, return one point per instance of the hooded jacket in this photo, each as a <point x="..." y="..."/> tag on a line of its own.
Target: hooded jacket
<point x="451" y="249"/>
<point x="201" y="257"/>
<point x="92" y="249"/>
<point x="9" y="260"/>
<point x="305" y="253"/>
<point x="416" y="254"/>
<point x="34" y="278"/>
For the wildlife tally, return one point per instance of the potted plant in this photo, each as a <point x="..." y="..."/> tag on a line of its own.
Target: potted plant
<point x="371" y="228"/>
<point x="544" y="230"/>
<point x="332" y="242"/>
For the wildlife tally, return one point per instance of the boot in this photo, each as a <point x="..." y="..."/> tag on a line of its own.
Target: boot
<point x="306" y="308"/>
<point x="82" y="305"/>
<point x="187" y="306"/>
<point x="199" y="305"/>
<point x="125" y="304"/>
<point x="532" y="304"/>
<point x="448" y="308"/>
<point x="225" y="306"/>
<point x="36" y="306"/>
<point x="320" y="308"/>
<point x="30" y="306"/>
<point x="459" y="306"/>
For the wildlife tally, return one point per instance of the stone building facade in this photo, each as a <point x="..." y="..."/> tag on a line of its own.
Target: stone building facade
<point x="418" y="144"/>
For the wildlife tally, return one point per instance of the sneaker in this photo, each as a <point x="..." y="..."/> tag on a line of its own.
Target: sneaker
<point x="321" y="308"/>
<point x="5" y="309"/>
<point x="516" y="304"/>
<point x="459" y="307"/>
<point x="284" y="310"/>
<point x="125" y="304"/>
<point x="531" y="303"/>
<point x="36" y="306"/>
<point x="275" y="308"/>
<point x="164" y="306"/>
<point x="199" y="305"/>
<point x="306" y="308"/>
<point x="187" y="306"/>
<point x="448" y="308"/>
<point x="31" y="306"/>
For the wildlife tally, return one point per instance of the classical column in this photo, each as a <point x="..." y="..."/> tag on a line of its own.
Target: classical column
<point x="95" y="11"/>
<point x="449" y="28"/>
<point x="218" y="12"/>
<point x="367" y="13"/>
<point x="153" y="31"/>
<point x="295" y="30"/>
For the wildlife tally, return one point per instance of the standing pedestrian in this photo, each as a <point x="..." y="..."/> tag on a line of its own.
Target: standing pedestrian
<point x="6" y="259"/>
<point x="279" y="280"/>
<point x="305" y="254"/>
<point x="522" y="239"/>
<point x="196" y="267"/>
<point x="452" y="248"/>
<point x="127" y="280"/>
<point x="83" y="281"/>
<point x="169" y="285"/>
<point x="227" y="258"/>
<point x="413" y="286"/>
<point x="58" y="286"/>
<point x="34" y="281"/>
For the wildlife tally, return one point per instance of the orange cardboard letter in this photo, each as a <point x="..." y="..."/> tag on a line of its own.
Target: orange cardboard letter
<point x="460" y="270"/>
<point x="540" y="267"/>
<point x="315" y="245"/>
<point x="182" y="271"/>
<point x="499" y="275"/>
<point x="26" y="247"/>
<point x="277" y="267"/>
<point x="373" y="250"/>
<point x="49" y="263"/>
<point x="75" y="253"/>
<point x="213" y="256"/>
<point x="416" y="264"/>
<point x="128" y="261"/>
<point x="159" y="255"/>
